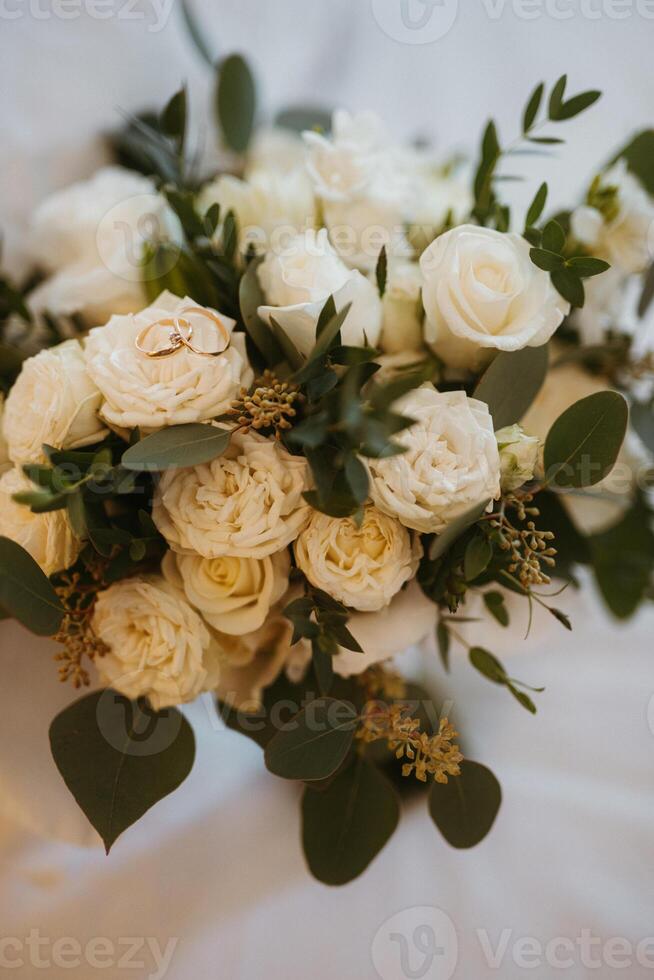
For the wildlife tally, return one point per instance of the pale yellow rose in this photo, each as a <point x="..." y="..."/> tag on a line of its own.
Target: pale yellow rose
<point x="48" y="537"/>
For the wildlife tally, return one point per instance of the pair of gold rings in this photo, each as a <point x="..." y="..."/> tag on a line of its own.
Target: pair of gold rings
<point x="181" y="333"/>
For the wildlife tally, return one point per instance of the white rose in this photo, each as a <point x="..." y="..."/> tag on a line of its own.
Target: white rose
<point x="274" y="148"/>
<point x="233" y="595"/>
<point x="53" y="402"/>
<point x="343" y="164"/>
<point x="518" y="456"/>
<point x="623" y="234"/>
<point x="159" y="647"/>
<point x="5" y="462"/>
<point x="451" y="461"/>
<point x="48" y="537"/>
<point x="483" y="293"/>
<point x="409" y="618"/>
<point x="364" y="188"/>
<point x="247" y="503"/>
<point x="298" y="281"/>
<point x="268" y="207"/>
<point x="90" y="237"/>
<point x="402" y="324"/>
<point x="362" y="567"/>
<point x="152" y="392"/>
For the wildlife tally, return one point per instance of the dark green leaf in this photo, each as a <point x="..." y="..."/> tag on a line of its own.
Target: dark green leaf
<point x="236" y="102"/>
<point x="488" y="665"/>
<point x="547" y="261"/>
<point x="345" y="827"/>
<point x="173" y="117"/>
<point x="531" y="110"/>
<point x="623" y="561"/>
<point x="585" y="266"/>
<point x="381" y="272"/>
<point x="315" y="742"/>
<point x="511" y="383"/>
<point x="26" y="593"/>
<point x="118" y="758"/>
<point x="639" y="155"/>
<point x="443" y="641"/>
<point x="556" y="98"/>
<point x="177" y="446"/>
<point x="464" y="808"/>
<point x="494" y="602"/>
<point x="537" y="206"/>
<point x="569" y="286"/>
<point x="578" y="103"/>
<point x="251" y="298"/>
<point x="553" y="237"/>
<point x="584" y="442"/>
<point x="477" y="557"/>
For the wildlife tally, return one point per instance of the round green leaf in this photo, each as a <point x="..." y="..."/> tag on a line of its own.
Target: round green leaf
<point x="314" y="743"/>
<point x="584" y="442"/>
<point x="511" y="383"/>
<point x="346" y="825"/>
<point x="26" y="593"/>
<point x="465" y="807"/>
<point x="177" y="446"/>
<point x="118" y="757"/>
<point x="236" y="102"/>
<point x="478" y="554"/>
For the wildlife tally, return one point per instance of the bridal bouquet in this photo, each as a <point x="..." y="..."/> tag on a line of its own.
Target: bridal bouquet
<point x="272" y="420"/>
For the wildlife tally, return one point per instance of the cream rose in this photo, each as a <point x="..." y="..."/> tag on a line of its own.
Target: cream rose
<point x="451" y="461"/>
<point x="297" y="282"/>
<point x="48" y="537"/>
<point x="344" y="164"/>
<point x="402" y="326"/>
<point x="362" y="567"/>
<point x="90" y="238"/>
<point x="622" y="231"/>
<point x="233" y="595"/>
<point x="268" y="206"/>
<point x="482" y="293"/>
<point x="153" y="392"/>
<point x="246" y="504"/>
<point x="159" y="647"/>
<point x="55" y="402"/>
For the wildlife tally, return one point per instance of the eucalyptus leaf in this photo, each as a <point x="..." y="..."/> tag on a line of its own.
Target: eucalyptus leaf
<point x="346" y="825"/>
<point x="25" y="591"/>
<point x="236" y="102"/>
<point x="464" y="808"/>
<point x="315" y="742"/>
<point x="250" y="299"/>
<point x="177" y="446"/>
<point x="511" y="383"/>
<point x="446" y="539"/>
<point x="584" y="442"/>
<point x="118" y="758"/>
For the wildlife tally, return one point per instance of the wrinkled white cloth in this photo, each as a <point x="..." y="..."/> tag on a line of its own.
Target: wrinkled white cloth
<point x="218" y="864"/>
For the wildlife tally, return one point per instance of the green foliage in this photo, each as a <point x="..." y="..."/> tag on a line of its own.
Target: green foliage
<point x="623" y="560"/>
<point x="381" y="272"/>
<point x="250" y="299"/>
<point x="299" y="118"/>
<point x="346" y="825"/>
<point x="464" y="808"/>
<point x="488" y="665"/>
<point x="25" y="592"/>
<point x="322" y="620"/>
<point x="177" y="446"/>
<point x="639" y="156"/>
<point x="511" y="382"/>
<point x="494" y="602"/>
<point x="235" y="102"/>
<point x="314" y="743"/>
<point x="118" y="757"/>
<point x="583" y="444"/>
<point x="487" y="209"/>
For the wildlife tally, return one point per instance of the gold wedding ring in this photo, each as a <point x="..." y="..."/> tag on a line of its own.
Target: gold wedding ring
<point x="175" y="337"/>
<point x="181" y="333"/>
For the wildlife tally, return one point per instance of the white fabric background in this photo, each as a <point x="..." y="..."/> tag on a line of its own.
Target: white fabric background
<point x="218" y="864"/>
